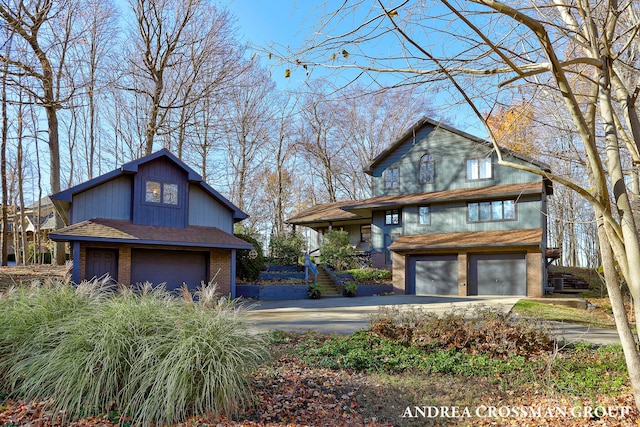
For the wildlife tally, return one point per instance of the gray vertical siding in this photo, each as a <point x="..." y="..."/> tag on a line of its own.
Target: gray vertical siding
<point x="111" y="199"/>
<point x="206" y="211"/>
<point x="450" y="152"/>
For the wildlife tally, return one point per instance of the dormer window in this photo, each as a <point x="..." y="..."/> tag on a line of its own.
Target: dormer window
<point x="479" y="169"/>
<point x="161" y="192"/>
<point x="427" y="169"/>
<point x="391" y="178"/>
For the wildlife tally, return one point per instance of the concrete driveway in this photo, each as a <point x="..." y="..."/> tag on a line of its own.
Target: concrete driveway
<point x="342" y="315"/>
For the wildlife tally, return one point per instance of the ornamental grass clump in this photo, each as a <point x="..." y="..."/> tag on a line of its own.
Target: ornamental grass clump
<point x="151" y="356"/>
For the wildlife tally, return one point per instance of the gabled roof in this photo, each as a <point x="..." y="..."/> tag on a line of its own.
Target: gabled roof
<point x="470" y="239"/>
<point x="322" y="213"/>
<point x="426" y="121"/>
<point x="125" y="232"/>
<point x="132" y="168"/>
<point x="353" y="210"/>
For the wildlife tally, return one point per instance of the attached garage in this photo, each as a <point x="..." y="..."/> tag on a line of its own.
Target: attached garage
<point x="171" y="267"/>
<point x="498" y="274"/>
<point x="433" y="275"/>
<point x="470" y="263"/>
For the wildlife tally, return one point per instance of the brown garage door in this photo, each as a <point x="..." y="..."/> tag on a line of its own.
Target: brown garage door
<point x="170" y="267"/>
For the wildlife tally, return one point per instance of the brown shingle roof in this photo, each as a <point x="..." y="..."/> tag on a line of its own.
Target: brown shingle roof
<point x="528" y="237"/>
<point x="339" y="211"/>
<point x="323" y="212"/>
<point x="122" y="231"/>
<point x="498" y="191"/>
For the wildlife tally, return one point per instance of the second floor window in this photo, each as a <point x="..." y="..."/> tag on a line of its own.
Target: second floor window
<point x="427" y="172"/>
<point x="497" y="210"/>
<point x="392" y="217"/>
<point x="479" y="169"/>
<point x="161" y="192"/>
<point x="391" y="178"/>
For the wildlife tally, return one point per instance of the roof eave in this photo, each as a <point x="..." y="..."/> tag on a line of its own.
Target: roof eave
<point x="72" y="238"/>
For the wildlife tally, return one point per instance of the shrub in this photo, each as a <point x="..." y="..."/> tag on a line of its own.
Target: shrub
<point x="350" y="289"/>
<point x="147" y="354"/>
<point x="314" y="291"/>
<point x="286" y="248"/>
<point x="370" y="275"/>
<point x="337" y="251"/>
<point x="483" y="331"/>
<point x="248" y="268"/>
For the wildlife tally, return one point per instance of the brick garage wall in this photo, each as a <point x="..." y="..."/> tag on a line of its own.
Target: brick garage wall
<point x="535" y="273"/>
<point x="399" y="272"/>
<point x="124" y="265"/>
<point x="220" y="269"/>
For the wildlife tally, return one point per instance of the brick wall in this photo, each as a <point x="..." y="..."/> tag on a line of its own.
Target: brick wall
<point x="220" y="270"/>
<point x="463" y="284"/>
<point x="124" y="265"/>
<point x="535" y="272"/>
<point x="399" y="272"/>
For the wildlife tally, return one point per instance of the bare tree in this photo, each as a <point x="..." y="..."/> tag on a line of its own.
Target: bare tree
<point x="369" y="122"/>
<point x="248" y="126"/>
<point x="184" y="50"/>
<point x="47" y="33"/>
<point x="582" y="54"/>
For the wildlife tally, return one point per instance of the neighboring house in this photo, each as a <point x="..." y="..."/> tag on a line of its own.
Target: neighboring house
<point x="446" y="217"/>
<point x="153" y="219"/>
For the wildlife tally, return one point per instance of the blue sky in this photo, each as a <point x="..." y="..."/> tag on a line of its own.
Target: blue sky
<point x="289" y="22"/>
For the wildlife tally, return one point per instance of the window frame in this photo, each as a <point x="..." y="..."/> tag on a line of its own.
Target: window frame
<point x="475" y="166"/>
<point x="428" y="207"/>
<point x="389" y="182"/>
<point x="389" y="215"/>
<point x="162" y="193"/>
<point x="427" y="160"/>
<point x="490" y="205"/>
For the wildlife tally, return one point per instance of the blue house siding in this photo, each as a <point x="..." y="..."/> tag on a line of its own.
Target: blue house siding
<point x="205" y="211"/>
<point x="162" y="171"/>
<point x="111" y="199"/>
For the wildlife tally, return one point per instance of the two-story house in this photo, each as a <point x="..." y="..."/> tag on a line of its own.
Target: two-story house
<point x="446" y="217"/>
<point x="152" y="220"/>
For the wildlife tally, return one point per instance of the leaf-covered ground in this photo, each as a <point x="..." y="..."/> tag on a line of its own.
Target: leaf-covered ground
<point x="288" y="392"/>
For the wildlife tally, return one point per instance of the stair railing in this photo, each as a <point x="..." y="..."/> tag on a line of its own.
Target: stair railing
<point x="310" y="266"/>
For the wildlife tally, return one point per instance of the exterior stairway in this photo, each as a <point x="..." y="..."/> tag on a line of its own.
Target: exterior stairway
<point x="328" y="288"/>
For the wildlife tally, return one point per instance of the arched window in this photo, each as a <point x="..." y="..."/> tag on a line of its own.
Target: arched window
<point x="427" y="170"/>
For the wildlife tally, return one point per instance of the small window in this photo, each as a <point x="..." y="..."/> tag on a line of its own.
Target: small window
<point x="158" y="192"/>
<point x="170" y="194"/>
<point x="365" y="233"/>
<point x="424" y="215"/>
<point x="479" y="169"/>
<point x="391" y="178"/>
<point x="499" y="210"/>
<point x="152" y="192"/>
<point x="392" y="217"/>
<point x="427" y="170"/>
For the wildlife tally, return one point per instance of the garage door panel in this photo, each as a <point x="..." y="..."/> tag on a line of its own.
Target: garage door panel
<point x="170" y="267"/>
<point x="436" y="275"/>
<point x="498" y="274"/>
